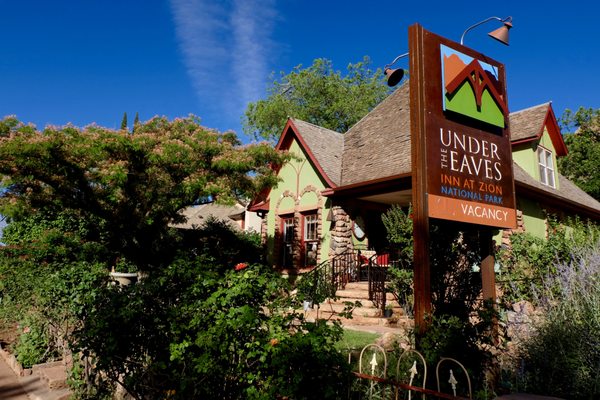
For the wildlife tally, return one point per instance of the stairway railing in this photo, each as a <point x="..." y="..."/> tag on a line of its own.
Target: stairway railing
<point x="332" y="275"/>
<point x="328" y="277"/>
<point x="377" y="278"/>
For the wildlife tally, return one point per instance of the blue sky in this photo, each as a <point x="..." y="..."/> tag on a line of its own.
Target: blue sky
<point x="91" y="61"/>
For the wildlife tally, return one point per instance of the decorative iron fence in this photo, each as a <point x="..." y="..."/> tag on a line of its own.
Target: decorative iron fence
<point x="374" y="380"/>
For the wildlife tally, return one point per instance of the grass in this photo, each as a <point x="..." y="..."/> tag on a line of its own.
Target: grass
<point x="356" y="339"/>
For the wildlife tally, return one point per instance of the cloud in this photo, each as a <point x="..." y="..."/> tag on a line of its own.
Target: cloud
<point x="226" y="48"/>
<point x="252" y="23"/>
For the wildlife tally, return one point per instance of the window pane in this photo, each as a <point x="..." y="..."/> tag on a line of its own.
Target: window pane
<point x="543" y="174"/>
<point x="549" y="163"/>
<point x="288" y="239"/>
<point x="550" y="178"/>
<point x="310" y="255"/>
<point x="541" y="158"/>
<point x="310" y="227"/>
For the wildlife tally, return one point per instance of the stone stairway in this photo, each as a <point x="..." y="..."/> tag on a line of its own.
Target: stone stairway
<point x="41" y="382"/>
<point x="366" y="315"/>
<point x="47" y="382"/>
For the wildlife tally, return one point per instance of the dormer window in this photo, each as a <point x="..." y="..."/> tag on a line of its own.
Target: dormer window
<point x="546" y="165"/>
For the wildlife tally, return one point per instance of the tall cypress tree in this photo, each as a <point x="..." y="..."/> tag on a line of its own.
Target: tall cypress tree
<point x="124" y="121"/>
<point x="136" y="121"/>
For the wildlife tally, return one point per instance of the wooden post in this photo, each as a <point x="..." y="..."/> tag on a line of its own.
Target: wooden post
<point x="422" y="275"/>
<point x="488" y="277"/>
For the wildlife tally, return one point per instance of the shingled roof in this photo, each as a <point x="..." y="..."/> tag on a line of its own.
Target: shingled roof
<point x="567" y="191"/>
<point x="378" y="145"/>
<point x="325" y="145"/>
<point x="528" y="123"/>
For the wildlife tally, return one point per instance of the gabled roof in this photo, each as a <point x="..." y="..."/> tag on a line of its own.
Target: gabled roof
<point x="568" y="193"/>
<point x="528" y="125"/>
<point x="377" y="149"/>
<point x="323" y="146"/>
<point x="378" y="145"/>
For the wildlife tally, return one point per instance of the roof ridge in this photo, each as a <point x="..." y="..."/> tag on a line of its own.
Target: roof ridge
<point x="548" y="103"/>
<point x="380" y="104"/>
<point x="315" y="125"/>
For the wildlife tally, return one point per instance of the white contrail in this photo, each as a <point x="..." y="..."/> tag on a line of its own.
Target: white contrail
<point x="226" y="47"/>
<point x="252" y="23"/>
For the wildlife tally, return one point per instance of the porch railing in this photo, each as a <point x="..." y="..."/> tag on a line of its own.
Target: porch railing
<point x="377" y="276"/>
<point x="332" y="275"/>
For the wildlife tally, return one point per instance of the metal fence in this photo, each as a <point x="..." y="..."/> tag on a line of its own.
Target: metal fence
<point x="406" y="377"/>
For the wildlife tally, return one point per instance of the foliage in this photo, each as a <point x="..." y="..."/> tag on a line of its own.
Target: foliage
<point x="563" y="357"/>
<point x="316" y="286"/>
<point x="136" y="122"/>
<point x="83" y="200"/>
<point x="32" y="346"/>
<point x="581" y="164"/>
<point x="186" y="328"/>
<point x="471" y="342"/>
<point x="198" y="331"/>
<point x="399" y="227"/>
<point x="319" y="95"/>
<point x="529" y="259"/>
<point x="128" y="188"/>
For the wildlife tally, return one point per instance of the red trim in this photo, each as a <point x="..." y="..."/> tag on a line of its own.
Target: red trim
<point x="262" y="206"/>
<point x="289" y="133"/>
<point x="553" y="131"/>
<point x="285" y="142"/>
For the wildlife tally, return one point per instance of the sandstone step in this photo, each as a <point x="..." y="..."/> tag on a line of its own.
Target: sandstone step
<point x="54" y="374"/>
<point x="37" y="389"/>
<point x="357" y="285"/>
<point x="339" y="304"/>
<point x="358" y="320"/>
<point x="359" y="294"/>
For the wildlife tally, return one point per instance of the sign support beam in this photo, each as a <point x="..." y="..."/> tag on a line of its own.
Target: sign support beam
<point x="422" y="274"/>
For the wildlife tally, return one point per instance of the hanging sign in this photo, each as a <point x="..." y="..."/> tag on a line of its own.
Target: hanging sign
<point x="461" y="100"/>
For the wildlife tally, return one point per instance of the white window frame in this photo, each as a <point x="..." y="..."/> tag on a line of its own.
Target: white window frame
<point x="546" y="167"/>
<point x="310" y="237"/>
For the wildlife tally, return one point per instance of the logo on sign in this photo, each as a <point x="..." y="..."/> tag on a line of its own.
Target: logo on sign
<point x="471" y="88"/>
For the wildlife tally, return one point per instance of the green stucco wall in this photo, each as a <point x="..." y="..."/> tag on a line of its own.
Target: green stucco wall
<point x="525" y="155"/>
<point x="534" y="219"/>
<point x="298" y="177"/>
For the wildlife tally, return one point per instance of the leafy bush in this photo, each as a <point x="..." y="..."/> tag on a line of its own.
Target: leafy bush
<point x="33" y="345"/>
<point x="199" y="334"/>
<point x="530" y="259"/>
<point x="563" y="357"/>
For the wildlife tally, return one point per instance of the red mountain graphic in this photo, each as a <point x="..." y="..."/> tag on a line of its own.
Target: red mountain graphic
<point x="478" y="78"/>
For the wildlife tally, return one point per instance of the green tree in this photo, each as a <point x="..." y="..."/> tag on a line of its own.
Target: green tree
<point x="582" y="163"/>
<point x="201" y="324"/>
<point x="319" y="95"/>
<point x="130" y="186"/>
<point x="136" y="121"/>
<point x="124" y="121"/>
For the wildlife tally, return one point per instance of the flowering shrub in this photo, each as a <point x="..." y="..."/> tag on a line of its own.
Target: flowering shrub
<point x="563" y="357"/>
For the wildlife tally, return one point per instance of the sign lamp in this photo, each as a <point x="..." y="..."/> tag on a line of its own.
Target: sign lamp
<point x="394" y="76"/>
<point x="500" y="34"/>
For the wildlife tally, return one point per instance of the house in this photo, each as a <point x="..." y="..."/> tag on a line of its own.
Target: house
<point x="236" y="216"/>
<point x="331" y="197"/>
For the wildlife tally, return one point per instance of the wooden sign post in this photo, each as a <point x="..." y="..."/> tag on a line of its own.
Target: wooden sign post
<point x="461" y="151"/>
